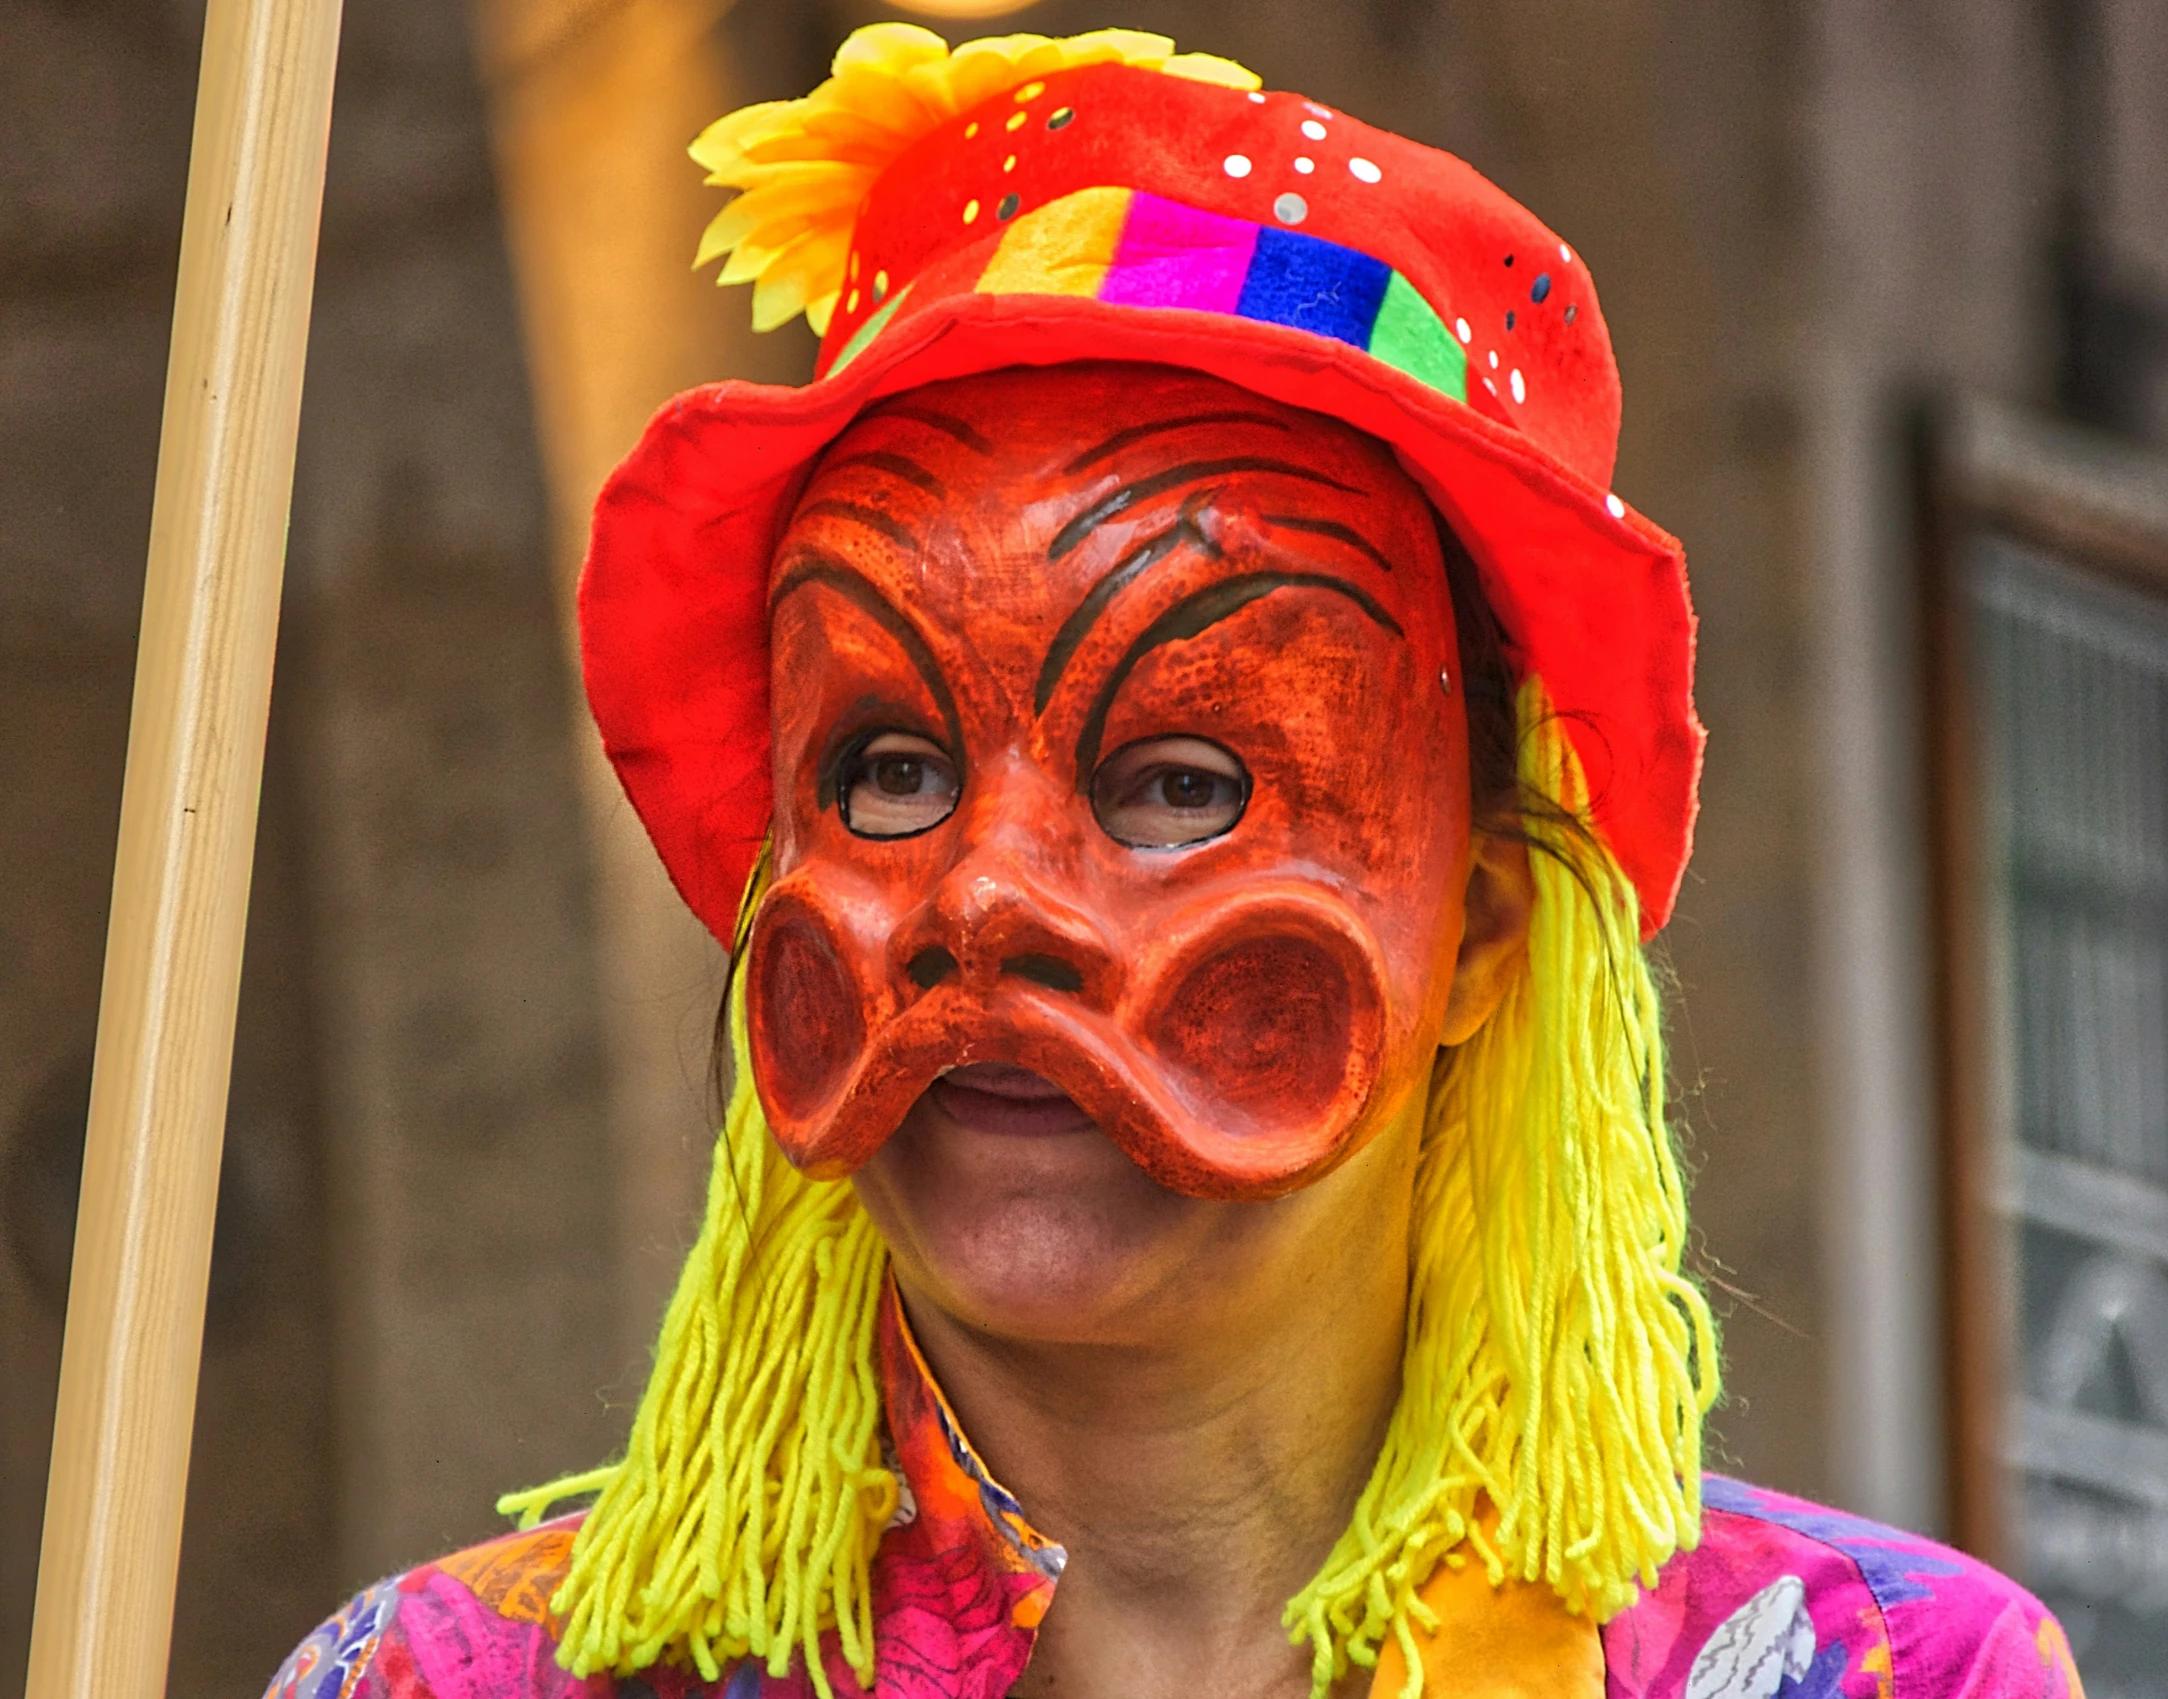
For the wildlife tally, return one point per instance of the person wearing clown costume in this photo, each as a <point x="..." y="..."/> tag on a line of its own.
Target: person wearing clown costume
<point x="1187" y="752"/>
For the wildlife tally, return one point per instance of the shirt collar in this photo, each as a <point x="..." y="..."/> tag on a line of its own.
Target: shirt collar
<point x="962" y="1580"/>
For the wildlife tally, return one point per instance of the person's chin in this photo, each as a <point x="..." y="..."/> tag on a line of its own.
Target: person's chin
<point x="1019" y="1213"/>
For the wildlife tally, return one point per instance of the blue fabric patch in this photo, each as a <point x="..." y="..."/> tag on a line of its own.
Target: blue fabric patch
<point x="744" y="1681"/>
<point x="1824" y="1678"/>
<point x="1313" y="285"/>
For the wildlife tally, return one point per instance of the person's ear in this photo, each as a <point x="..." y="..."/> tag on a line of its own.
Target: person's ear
<point x="1501" y="897"/>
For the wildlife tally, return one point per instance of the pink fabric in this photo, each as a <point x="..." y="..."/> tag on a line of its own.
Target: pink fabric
<point x="1176" y="256"/>
<point x="1786" y="1597"/>
<point x="461" y="1646"/>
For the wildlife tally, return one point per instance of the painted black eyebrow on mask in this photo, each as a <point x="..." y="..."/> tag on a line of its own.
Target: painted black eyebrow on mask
<point x="822" y="570"/>
<point x="899" y="465"/>
<point x="1331" y="528"/>
<point x="871" y="517"/>
<point x="945" y="423"/>
<point x="1126" y="572"/>
<point x="1085" y="523"/>
<point x="1198" y="612"/>
<point x="1137" y="433"/>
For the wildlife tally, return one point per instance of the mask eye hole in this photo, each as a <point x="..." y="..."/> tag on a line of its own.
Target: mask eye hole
<point x="896" y="785"/>
<point x="1165" y="792"/>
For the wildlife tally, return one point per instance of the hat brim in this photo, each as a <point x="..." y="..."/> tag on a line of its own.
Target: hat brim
<point x="673" y="617"/>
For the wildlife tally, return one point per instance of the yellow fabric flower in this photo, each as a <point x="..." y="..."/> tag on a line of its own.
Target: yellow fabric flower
<point x="804" y="167"/>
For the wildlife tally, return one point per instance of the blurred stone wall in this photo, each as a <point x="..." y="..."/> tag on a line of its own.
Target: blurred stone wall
<point x="460" y="1063"/>
<point x="1929" y="261"/>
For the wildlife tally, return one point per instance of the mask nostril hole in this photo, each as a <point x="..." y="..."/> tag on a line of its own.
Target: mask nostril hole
<point x="1045" y="970"/>
<point x="930" y="967"/>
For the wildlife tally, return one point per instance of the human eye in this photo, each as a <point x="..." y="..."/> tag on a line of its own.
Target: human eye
<point x="896" y="784"/>
<point x="1165" y="792"/>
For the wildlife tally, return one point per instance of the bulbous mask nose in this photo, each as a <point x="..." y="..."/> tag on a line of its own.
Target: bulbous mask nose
<point x="1010" y="906"/>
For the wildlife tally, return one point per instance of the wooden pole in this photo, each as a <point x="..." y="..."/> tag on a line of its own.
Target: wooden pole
<point x="128" y="1367"/>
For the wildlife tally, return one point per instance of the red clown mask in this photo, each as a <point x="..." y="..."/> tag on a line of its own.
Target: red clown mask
<point x="1114" y="738"/>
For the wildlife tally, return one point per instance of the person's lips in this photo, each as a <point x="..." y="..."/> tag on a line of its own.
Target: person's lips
<point x="999" y="1097"/>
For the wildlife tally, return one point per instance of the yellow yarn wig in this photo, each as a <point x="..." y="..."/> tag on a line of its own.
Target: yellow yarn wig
<point x="1558" y="1364"/>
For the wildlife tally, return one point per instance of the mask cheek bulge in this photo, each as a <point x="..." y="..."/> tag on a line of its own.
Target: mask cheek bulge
<point x="807" y="1021"/>
<point x="1266" y="1021"/>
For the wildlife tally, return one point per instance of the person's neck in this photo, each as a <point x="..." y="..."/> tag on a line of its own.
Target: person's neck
<point x="1198" y="1483"/>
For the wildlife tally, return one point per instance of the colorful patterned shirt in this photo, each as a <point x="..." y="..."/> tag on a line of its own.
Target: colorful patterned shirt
<point x="1780" y="1600"/>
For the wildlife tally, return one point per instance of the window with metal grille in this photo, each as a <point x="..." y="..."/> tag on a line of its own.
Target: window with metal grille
<point x="2050" y="629"/>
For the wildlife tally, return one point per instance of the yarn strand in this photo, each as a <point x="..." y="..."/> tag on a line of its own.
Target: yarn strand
<point x="1558" y="1365"/>
<point x="742" y="1520"/>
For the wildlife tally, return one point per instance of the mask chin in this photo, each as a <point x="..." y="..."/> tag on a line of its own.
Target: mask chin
<point x="1256" y="1052"/>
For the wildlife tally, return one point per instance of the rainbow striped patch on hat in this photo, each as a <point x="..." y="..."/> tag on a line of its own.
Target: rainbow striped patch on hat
<point x="1133" y="249"/>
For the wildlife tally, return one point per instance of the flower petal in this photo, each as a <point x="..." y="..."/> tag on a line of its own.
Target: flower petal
<point x="804" y="167"/>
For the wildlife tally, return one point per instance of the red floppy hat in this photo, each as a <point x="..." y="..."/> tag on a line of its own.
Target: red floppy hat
<point x="1031" y="202"/>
